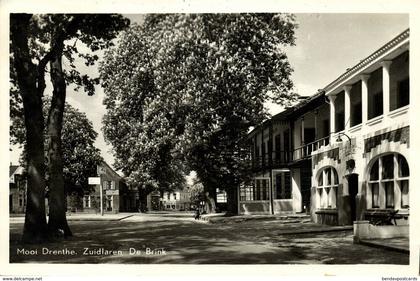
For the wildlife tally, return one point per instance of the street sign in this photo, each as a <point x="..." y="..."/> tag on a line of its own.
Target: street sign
<point x="94" y="180"/>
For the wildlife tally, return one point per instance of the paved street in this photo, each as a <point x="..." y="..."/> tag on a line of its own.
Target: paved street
<point x="176" y="238"/>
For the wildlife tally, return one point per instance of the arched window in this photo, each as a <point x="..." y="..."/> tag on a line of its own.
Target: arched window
<point x="327" y="188"/>
<point x="389" y="182"/>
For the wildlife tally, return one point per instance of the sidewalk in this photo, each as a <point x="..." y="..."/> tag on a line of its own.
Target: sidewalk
<point x="97" y="217"/>
<point x="84" y="217"/>
<point x="286" y="224"/>
<point x="399" y="244"/>
<point x="222" y="218"/>
<point x="295" y="224"/>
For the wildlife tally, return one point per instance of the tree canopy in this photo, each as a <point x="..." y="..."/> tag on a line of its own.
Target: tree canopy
<point x="39" y="41"/>
<point x="197" y="83"/>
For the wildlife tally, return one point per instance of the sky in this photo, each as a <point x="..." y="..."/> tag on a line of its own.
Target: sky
<point x="326" y="45"/>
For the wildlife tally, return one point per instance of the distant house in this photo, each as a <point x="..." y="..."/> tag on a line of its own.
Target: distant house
<point x="17" y="189"/>
<point x="117" y="195"/>
<point x="178" y="200"/>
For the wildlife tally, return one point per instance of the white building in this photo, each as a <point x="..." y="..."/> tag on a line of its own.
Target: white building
<point x="178" y="200"/>
<point x="341" y="155"/>
<point x="364" y="172"/>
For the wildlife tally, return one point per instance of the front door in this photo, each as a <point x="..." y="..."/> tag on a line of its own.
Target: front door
<point x="353" y="181"/>
<point x="305" y="187"/>
<point x="108" y="203"/>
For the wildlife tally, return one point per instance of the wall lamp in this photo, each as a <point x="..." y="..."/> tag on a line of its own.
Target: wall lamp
<point x="339" y="137"/>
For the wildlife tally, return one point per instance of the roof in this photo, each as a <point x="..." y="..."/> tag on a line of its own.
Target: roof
<point x="319" y="97"/>
<point x="350" y="71"/>
<point x="311" y="102"/>
<point x="296" y="110"/>
<point x="115" y="174"/>
<point x="12" y="169"/>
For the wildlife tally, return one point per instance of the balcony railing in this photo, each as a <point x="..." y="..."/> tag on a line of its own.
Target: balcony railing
<point x="305" y="151"/>
<point x="277" y="159"/>
<point x="281" y="158"/>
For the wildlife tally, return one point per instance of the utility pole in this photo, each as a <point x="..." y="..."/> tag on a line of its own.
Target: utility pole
<point x="101" y="195"/>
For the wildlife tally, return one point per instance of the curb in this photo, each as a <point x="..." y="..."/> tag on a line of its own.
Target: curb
<point x="383" y="246"/>
<point x="323" y="230"/>
<point x="98" y="219"/>
<point x="243" y="219"/>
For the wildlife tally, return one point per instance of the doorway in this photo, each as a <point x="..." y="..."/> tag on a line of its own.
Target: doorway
<point x="305" y="188"/>
<point x="353" y="181"/>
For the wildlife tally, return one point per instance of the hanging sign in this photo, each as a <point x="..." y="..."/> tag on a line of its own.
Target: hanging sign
<point x="94" y="180"/>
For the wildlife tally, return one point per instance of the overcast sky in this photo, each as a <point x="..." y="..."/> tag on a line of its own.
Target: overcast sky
<point x="326" y="45"/>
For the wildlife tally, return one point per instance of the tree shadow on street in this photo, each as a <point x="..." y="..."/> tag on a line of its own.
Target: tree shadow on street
<point x="188" y="242"/>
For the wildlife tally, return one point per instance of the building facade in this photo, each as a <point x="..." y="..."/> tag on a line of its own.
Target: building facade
<point x="178" y="200"/>
<point x="364" y="171"/>
<point x="281" y="159"/>
<point x="343" y="154"/>
<point x="117" y="195"/>
<point x="17" y="190"/>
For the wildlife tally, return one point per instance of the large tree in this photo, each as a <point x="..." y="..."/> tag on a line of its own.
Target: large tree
<point x="138" y="122"/>
<point x="36" y="41"/>
<point x="204" y="79"/>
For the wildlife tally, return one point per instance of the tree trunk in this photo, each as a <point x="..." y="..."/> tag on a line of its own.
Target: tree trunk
<point x="35" y="227"/>
<point x="232" y="200"/>
<point x="57" y="223"/>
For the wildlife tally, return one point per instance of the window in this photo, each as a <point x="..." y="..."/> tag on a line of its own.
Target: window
<point x="375" y="195"/>
<point x="283" y="186"/>
<point x="256" y="191"/>
<point x="109" y="185"/>
<point x="174" y="195"/>
<point x="389" y="179"/>
<point x="327" y="188"/>
<point x="86" y="201"/>
<point x="286" y="145"/>
<point x="404" y="194"/>
<point x="355" y="104"/>
<point x="403" y="175"/>
<point x="264" y="189"/>
<point x="375" y="94"/>
<point x="263" y="152"/>
<point x="389" y="194"/>
<point x="399" y="82"/>
<point x="247" y="192"/>
<point x="168" y="196"/>
<point x="277" y="147"/>
<point x="339" y="112"/>
<point x="403" y="93"/>
<point x="257" y="151"/>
